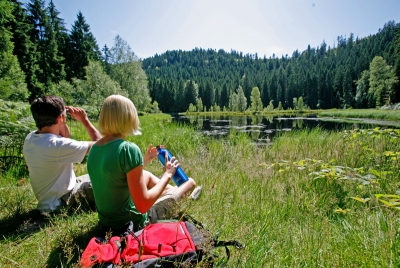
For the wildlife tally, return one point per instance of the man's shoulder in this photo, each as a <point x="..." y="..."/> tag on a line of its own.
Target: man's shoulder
<point x="51" y="140"/>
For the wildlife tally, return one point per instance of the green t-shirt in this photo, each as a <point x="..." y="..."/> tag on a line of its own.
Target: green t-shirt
<point x="107" y="166"/>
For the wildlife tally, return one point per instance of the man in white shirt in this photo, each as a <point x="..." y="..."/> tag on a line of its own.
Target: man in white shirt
<point x="50" y="153"/>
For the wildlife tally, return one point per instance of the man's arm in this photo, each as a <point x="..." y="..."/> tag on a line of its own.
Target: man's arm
<point x="80" y="115"/>
<point x="94" y="134"/>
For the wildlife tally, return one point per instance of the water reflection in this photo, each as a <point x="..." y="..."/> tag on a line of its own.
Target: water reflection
<point x="262" y="129"/>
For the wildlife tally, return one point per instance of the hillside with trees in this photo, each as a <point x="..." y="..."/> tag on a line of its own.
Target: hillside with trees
<point x="39" y="55"/>
<point x="357" y="72"/>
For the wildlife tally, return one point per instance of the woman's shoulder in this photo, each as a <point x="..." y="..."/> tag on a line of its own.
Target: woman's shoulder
<point x="129" y="145"/>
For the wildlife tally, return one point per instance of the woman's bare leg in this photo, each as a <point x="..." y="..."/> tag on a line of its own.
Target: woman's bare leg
<point x="181" y="191"/>
<point x="152" y="180"/>
<point x="186" y="188"/>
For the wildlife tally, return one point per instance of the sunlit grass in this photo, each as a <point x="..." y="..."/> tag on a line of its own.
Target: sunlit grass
<point x="363" y="113"/>
<point x="298" y="202"/>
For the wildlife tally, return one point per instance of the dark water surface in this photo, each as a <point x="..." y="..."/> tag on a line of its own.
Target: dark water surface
<point x="263" y="128"/>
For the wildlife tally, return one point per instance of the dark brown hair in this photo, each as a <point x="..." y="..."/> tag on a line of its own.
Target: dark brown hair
<point x="46" y="109"/>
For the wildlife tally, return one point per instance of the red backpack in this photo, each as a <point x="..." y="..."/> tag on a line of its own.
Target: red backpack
<point x="163" y="244"/>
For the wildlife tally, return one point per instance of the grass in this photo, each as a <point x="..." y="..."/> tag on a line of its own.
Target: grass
<point x="310" y="199"/>
<point x="362" y="113"/>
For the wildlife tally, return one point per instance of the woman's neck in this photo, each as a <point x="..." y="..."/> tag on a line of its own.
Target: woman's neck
<point x="109" y="138"/>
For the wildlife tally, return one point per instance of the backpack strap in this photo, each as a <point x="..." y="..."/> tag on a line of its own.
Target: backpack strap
<point x="219" y="243"/>
<point x="234" y="243"/>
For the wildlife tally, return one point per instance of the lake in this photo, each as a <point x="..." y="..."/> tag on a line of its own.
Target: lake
<point x="262" y="129"/>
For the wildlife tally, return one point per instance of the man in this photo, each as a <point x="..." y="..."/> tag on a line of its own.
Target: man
<point x="50" y="153"/>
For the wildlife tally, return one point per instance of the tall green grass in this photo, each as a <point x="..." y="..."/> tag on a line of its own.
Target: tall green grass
<point x="308" y="199"/>
<point x="363" y="113"/>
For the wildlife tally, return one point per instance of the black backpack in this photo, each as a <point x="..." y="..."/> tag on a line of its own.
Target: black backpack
<point x="184" y="243"/>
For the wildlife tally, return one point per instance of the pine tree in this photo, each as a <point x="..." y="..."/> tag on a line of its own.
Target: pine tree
<point x="316" y="74"/>
<point x="39" y="19"/>
<point x="24" y="48"/>
<point x="12" y="78"/>
<point x="190" y="94"/>
<point x="83" y="47"/>
<point x="224" y="96"/>
<point x="396" y="95"/>
<point x="347" y="87"/>
<point x="106" y="58"/>
<point x="208" y="95"/>
<point x="180" y="96"/>
<point x="55" y="38"/>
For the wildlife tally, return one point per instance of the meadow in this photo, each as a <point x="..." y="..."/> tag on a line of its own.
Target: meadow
<point x="362" y="113"/>
<point x="311" y="198"/>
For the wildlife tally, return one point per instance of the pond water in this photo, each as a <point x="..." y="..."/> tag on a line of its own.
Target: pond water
<point x="262" y="129"/>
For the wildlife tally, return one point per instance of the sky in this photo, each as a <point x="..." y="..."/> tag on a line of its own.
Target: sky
<point x="265" y="27"/>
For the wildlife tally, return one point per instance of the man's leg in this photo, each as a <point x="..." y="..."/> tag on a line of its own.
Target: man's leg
<point x="83" y="192"/>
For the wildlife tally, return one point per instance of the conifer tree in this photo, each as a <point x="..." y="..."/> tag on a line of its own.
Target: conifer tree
<point x="180" y="96"/>
<point x="56" y="42"/>
<point x="12" y="78"/>
<point x="208" y="95"/>
<point x="396" y="89"/>
<point x="82" y="48"/>
<point x="224" y="96"/>
<point x="347" y="88"/>
<point x="319" y="75"/>
<point x="190" y="94"/>
<point x="24" y="47"/>
<point x="362" y="90"/>
<point x="106" y="58"/>
<point x="38" y="18"/>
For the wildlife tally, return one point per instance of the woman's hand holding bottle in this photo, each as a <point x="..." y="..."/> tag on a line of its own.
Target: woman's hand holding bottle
<point x="170" y="166"/>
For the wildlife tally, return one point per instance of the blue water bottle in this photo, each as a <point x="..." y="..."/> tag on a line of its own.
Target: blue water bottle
<point x="179" y="177"/>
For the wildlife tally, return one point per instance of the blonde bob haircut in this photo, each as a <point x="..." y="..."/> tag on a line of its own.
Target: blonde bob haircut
<point x="119" y="116"/>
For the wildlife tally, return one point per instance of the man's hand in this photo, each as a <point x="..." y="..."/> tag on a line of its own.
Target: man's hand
<point x="64" y="131"/>
<point x="77" y="113"/>
<point x="80" y="115"/>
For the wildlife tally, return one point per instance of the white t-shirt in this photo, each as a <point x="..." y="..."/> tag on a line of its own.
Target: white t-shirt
<point x="50" y="161"/>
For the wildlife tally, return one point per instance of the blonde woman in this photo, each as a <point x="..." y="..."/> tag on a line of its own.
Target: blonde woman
<point x="123" y="190"/>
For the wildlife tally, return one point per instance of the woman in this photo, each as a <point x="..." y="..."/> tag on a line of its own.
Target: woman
<point x="122" y="189"/>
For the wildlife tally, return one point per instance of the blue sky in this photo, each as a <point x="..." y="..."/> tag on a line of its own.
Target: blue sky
<point x="249" y="26"/>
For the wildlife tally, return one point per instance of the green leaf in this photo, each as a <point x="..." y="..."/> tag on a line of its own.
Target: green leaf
<point x="342" y="211"/>
<point x="360" y="199"/>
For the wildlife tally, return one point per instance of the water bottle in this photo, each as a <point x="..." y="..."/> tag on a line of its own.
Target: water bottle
<point x="179" y="177"/>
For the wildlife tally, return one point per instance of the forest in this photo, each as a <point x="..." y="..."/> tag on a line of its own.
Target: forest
<point x="39" y="55"/>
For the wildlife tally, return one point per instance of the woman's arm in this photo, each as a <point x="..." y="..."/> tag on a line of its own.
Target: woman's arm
<point x="150" y="154"/>
<point x="142" y="197"/>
